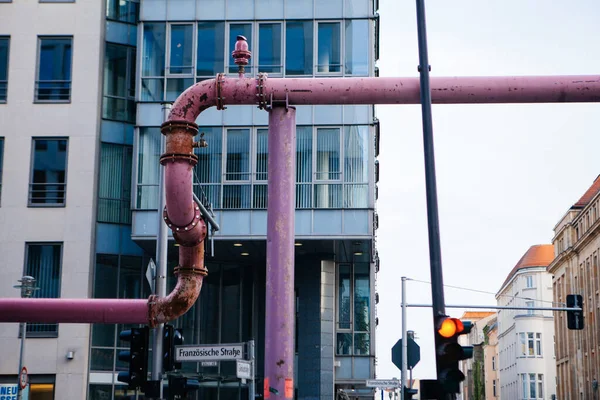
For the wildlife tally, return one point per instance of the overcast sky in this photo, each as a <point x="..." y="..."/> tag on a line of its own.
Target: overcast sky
<point x="506" y="174"/>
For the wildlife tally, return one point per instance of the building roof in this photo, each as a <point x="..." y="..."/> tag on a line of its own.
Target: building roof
<point x="540" y="255"/>
<point x="476" y="315"/>
<point x="589" y="194"/>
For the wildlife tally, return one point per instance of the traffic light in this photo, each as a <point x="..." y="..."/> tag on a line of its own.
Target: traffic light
<point x="136" y="356"/>
<point x="449" y="352"/>
<point x="172" y="337"/>
<point x="575" y="318"/>
<point x="180" y="386"/>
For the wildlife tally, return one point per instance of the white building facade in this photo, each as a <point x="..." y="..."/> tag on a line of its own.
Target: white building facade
<point x="50" y="81"/>
<point x="526" y="337"/>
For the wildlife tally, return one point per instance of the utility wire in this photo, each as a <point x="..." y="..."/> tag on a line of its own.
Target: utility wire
<point x="485" y="292"/>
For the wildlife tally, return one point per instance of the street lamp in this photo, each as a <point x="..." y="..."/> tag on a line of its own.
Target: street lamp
<point x="27" y="287"/>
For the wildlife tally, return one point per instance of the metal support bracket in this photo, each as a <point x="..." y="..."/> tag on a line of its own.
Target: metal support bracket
<point x="219" y="88"/>
<point x="261" y="97"/>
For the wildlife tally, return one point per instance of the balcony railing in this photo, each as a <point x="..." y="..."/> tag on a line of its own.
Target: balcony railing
<point x="52" y="91"/>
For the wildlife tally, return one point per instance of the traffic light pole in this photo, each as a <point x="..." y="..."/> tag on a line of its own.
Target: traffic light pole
<point x="404" y="341"/>
<point x="160" y="280"/>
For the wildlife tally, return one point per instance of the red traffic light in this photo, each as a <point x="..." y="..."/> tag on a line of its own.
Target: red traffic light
<point x="449" y="327"/>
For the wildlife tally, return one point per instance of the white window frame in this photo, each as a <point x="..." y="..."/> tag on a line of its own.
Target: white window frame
<point x="529" y="284"/>
<point x="316" y="24"/>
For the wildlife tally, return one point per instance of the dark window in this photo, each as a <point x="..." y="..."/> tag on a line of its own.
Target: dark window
<point x="43" y="262"/>
<point x="123" y="10"/>
<point x="119" y="83"/>
<point x="114" y="186"/>
<point x="329" y="47"/>
<point x="48" y="176"/>
<point x="4" y="49"/>
<point x="299" y="48"/>
<point x="269" y="47"/>
<point x="211" y="41"/>
<point x="1" y="162"/>
<point x="54" y="69"/>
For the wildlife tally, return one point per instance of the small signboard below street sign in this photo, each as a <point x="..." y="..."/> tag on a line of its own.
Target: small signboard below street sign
<point x="383" y="383"/>
<point x="243" y="369"/>
<point x="209" y="364"/>
<point x="213" y="352"/>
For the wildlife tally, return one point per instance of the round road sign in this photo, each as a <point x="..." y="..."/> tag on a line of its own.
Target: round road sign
<point x="23" y="378"/>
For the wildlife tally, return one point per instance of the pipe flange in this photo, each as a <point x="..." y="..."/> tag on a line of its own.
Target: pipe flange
<point x="168" y="126"/>
<point x="197" y="220"/>
<point x="219" y="88"/>
<point x="191" y="270"/>
<point x="261" y="95"/>
<point x="195" y="239"/>
<point x="172" y="157"/>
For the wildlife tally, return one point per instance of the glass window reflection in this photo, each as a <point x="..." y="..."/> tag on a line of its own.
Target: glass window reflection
<point x="357" y="47"/>
<point x="269" y="47"/>
<point x="299" y="48"/>
<point x="329" y="47"/>
<point x="211" y="41"/>
<point x="181" y="49"/>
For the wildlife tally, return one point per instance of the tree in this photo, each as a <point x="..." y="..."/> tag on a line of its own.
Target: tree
<point x="478" y="381"/>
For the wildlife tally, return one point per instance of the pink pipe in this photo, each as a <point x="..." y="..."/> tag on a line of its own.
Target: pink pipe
<point x="444" y="90"/>
<point x="50" y="311"/>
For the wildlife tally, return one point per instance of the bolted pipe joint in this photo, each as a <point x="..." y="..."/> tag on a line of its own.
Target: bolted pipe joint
<point x="190" y="274"/>
<point x="241" y="54"/>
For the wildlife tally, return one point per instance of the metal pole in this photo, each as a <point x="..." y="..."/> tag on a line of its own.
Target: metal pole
<point x="435" y="253"/>
<point x="501" y="307"/>
<point x="404" y="341"/>
<point x="23" y="327"/>
<point x="279" y="307"/>
<point x="160" y="282"/>
<point x="252" y="357"/>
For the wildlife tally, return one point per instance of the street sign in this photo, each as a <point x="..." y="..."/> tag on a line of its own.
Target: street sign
<point x="383" y="383"/>
<point x="23" y="378"/>
<point x="214" y="352"/>
<point x="413" y="353"/>
<point x="151" y="274"/>
<point x="243" y="369"/>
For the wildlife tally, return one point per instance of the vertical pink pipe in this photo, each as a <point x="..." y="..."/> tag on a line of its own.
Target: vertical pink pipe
<point x="279" y="310"/>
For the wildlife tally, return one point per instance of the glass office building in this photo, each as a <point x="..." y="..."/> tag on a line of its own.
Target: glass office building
<point x="150" y="51"/>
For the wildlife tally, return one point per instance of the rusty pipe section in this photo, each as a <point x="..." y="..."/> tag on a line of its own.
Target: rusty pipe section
<point x="444" y="90"/>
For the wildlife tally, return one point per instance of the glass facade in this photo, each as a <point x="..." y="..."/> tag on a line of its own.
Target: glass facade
<point x="119" y="83"/>
<point x="232" y="171"/>
<point x="114" y="185"/>
<point x="195" y="51"/>
<point x="354" y="310"/>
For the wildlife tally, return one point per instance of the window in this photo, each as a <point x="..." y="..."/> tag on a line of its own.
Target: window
<point x="532" y="388"/>
<point x="529" y="304"/>
<point x="148" y="168"/>
<point x="259" y="195"/>
<point x="211" y="41"/>
<point x="209" y="167"/>
<point x="4" y="50"/>
<point x="354" y="295"/>
<point x="299" y="48"/>
<point x="114" y="185"/>
<point x="304" y="166"/>
<point x="48" y="175"/>
<point x="269" y="47"/>
<point x="329" y="47"/>
<point x="327" y="194"/>
<point x="529" y="281"/>
<point x="236" y="30"/>
<point x="356" y="162"/>
<point x="237" y="169"/>
<point x="1" y="162"/>
<point x="119" y="83"/>
<point x="123" y="10"/>
<point x="181" y="49"/>
<point x="153" y="62"/>
<point x="494" y="390"/>
<point x="531" y="344"/>
<point x="54" y="69"/>
<point x="357" y="47"/>
<point x="43" y="262"/>
<point x="493" y="363"/>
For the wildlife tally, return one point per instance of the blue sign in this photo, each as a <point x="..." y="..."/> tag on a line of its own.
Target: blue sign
<point x="8" y="391"/>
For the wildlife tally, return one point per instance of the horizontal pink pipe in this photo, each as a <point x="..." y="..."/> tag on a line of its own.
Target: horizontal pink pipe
<point x="444" y="90"/>
<point x="104" y="311"/>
